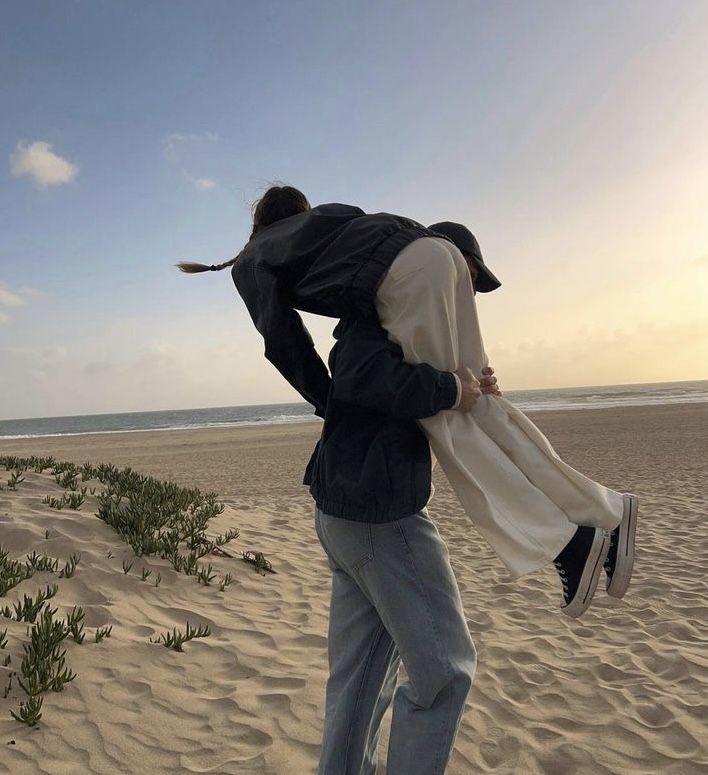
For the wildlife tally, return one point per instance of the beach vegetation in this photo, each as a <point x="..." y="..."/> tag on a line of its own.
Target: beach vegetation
<point x="70" y="566"/>
<point x="30" y="711"/>
<point x="8" y="688"/>
<point x="74" y="500"/>
<point x="12" y="572"/>
<point x="151" y="516"/>
<point x="176" y="638"/>
<point x="29" y="608"/>
<point x="16" y="478"/>
<point x="40" y="463"/>
<point x="43" y="663"/>
<point x="225" y="581"/>
<point x="74" y="624"/>
<point x="54" y="503"/>
<point x="42" y="563"/>
<point x="103" y="632"/>
<point x="68" y="479"/>
<point x="86" y="471"/>
<point x="205" y="575"/>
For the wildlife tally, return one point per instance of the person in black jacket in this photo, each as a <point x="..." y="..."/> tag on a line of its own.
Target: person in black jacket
<point x="394" y="594"/>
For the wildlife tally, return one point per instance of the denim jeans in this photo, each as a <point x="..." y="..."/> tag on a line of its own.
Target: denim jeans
<point x="394" y="597"/>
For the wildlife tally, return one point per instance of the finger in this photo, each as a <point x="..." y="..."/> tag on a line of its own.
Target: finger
<point x="487" y="370"/>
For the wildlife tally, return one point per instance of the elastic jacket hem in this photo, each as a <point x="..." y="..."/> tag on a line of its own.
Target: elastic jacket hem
<point x="369" y="512"/>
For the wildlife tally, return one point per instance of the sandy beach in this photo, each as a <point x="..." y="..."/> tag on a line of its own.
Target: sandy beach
<point x="620" y="690"/>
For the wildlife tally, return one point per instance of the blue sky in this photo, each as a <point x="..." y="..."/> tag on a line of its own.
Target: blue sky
<point x="569" y="136"/>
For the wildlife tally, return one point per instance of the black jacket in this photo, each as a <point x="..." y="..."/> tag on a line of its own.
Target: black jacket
<point x="329" y="261"/>
<point x="372" y="462"/>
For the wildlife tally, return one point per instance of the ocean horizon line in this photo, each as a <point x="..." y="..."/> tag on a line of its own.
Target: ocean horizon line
<point x="304" y="403"/>
<point x="534" y="400"/>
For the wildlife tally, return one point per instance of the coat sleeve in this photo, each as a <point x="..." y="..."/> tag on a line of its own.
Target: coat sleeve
<point x="288" y="344"/>
<point x="369" y="370"/>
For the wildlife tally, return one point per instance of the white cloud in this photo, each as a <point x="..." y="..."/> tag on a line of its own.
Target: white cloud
<point x="9" y="298"/>
<point x="41" y="163"/>
<point x="14" y="298"/>
<point x="201" y="184"/>
<point x="171" y="143"/>
<point x="204" y="184"/>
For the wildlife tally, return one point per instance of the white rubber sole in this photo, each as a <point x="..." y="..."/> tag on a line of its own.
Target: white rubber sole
<point x="622" y="575"/>
<point x="591" y="575"/>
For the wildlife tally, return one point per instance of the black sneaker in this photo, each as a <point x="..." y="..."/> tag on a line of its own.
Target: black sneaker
<point x="620" y="558"/>
<point x="579" y="566"/>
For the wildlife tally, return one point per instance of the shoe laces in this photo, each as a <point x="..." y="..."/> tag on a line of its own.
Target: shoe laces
<point x="563" y="575"/>
<point x="614" y="536"/>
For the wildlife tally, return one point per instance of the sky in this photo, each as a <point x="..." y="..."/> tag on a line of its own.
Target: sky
<point x="570" y="137"/>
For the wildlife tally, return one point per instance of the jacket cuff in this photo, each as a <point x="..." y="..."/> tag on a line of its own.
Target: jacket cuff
<point x="458" y="385"/>
<point x="451" y="390"/>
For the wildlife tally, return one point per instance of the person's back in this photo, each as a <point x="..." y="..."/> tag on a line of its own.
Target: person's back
<point x="372" y="462"/>
<point x="327" y="259"/>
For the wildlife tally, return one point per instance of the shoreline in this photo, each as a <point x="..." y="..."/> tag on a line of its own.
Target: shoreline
<point x="683" y="405"/>
<point x="232" y="461"/>
<point x="268" y="428"/>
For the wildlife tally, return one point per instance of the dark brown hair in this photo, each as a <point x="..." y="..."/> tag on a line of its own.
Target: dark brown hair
<point x="277" y="203"/>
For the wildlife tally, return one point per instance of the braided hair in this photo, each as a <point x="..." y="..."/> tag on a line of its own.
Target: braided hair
<point x="277" y="203"/>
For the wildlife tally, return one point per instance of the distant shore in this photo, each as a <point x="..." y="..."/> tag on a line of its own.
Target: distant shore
<point x="607" y="397"/>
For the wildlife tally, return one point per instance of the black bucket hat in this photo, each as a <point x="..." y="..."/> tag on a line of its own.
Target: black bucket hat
<point x="467" y="243"/>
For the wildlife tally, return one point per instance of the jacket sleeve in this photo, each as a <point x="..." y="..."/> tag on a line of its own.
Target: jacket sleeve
<point x="288" y="344"/>
<point x="369" y="370"/>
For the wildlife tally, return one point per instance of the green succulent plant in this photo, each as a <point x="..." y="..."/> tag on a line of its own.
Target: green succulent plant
<point x="30" y="711"/>
<point x="176" y="638"/>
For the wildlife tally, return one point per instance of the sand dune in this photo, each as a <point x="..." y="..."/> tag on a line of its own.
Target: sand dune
<point x="620" y="690"/>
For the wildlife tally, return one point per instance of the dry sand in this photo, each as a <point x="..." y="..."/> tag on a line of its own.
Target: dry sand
<point x="620" y="690"/>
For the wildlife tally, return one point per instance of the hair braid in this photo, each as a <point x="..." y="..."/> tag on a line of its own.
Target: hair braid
<point x="277" y="203"/>
<point x="193" y="268"/>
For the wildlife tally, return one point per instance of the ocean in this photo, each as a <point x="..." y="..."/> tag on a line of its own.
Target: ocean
<point x="609" y="397"/>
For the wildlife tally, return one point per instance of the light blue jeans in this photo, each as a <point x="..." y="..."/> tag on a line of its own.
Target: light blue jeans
<point x="394" y="597"/>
